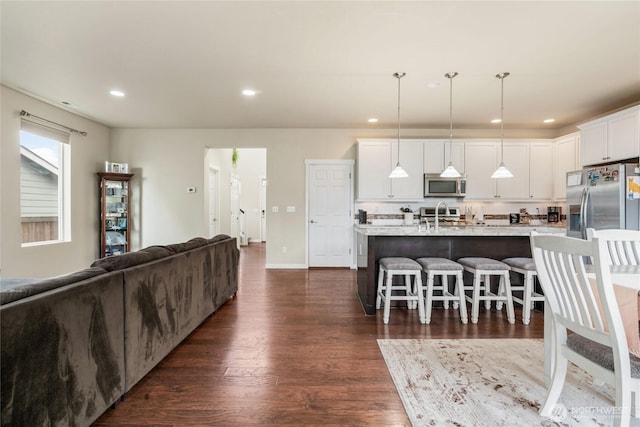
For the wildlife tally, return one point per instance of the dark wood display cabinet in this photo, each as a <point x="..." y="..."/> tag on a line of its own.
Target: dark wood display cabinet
<point x="114" y="213"/>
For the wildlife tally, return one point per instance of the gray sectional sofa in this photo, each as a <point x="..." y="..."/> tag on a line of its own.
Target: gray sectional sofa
<point x="72" y="346"/>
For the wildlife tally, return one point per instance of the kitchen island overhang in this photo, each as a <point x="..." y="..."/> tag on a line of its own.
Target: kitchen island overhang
<point x="375" y="242"/>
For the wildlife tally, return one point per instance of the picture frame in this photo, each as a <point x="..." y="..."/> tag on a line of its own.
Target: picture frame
<point x="114" y="167"/>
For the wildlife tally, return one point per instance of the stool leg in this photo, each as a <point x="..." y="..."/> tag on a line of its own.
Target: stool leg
<point x="475" y="305"/>
<point x="387" y="304"/>
<point x="500" y="293"/>
<point x="487" y="291"/>
<point x="445" y="290"/>
<point x="409" y="289"/>
<point x="526" y="298"/>
<point x="459" y="292"/>
<point x="429" y="301"/>
<point x="380" y="287"/>
<point x="511" y="317"/>
<point x="419" y="295"/>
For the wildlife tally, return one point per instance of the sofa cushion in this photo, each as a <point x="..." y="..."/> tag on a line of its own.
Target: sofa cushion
<point x="130" y="259"/>
<point x="196" y="242"/>
<point x="36" y="286"/>
<point x="219" y="238"/>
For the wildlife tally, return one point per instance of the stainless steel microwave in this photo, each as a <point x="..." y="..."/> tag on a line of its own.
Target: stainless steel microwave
<point x="436" y="186"/>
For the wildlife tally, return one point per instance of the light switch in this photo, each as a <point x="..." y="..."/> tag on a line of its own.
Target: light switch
<point x="274" y="209"/>
<point x="291" y="208"/>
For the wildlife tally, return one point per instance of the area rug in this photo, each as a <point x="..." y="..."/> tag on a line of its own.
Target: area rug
<point x="488" y="382"/>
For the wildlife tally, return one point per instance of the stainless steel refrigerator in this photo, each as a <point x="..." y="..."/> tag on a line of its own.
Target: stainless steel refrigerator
<point x="603" y="197"/>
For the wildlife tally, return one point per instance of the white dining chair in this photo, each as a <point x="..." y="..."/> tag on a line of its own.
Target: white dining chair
<point x="623" y="246"/>
<point x="598" y="343"/>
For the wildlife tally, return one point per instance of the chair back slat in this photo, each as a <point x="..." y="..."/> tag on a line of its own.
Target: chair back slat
<point x="623" y="246"/>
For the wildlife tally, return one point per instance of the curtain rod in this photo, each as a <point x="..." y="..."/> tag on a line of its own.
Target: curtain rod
<point x="72" y="130"/>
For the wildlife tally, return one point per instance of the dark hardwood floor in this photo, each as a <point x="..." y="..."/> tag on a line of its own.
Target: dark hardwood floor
<point x="292" y="348"/>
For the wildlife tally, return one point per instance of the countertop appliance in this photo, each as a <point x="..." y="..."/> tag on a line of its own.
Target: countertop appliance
<point x="436" y="186"/>
<point x="603" y="197"/>
<point x="429" y="214"/>
<point x="554" y="214"/>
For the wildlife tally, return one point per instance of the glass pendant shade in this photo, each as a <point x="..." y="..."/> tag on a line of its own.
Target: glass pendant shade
<point x="502" y="171"/>
<point x="450" y="171"/>
<point x="398" y="171"/>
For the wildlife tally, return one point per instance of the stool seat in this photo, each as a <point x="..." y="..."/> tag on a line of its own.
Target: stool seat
<point x="480" y="263"/>
<point x="522" y="263"/>
<point x="482" y="269"/>
<point x="439" y="264"/>
<point x="399" y="263"/>
<point x="411" y="293"/>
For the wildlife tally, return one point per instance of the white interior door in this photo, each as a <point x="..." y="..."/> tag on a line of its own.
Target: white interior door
<point x="330" y="204"/>
<point x="214" y="201"/>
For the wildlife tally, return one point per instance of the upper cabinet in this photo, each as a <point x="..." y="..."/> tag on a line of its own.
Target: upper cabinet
<point x="611" y="138"/>
<point x="481" y="159"/>
<point x="436" y="155"/>
<point x="566" y="155"/>
<point x="376" y="159"/>
<point x="529" y="162"/>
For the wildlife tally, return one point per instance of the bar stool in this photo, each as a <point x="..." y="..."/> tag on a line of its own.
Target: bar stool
<point x="412" y="294"/>
<point x="444" y="268"/>
<point x="482" y="270"/>
<point x="527" y="268"/>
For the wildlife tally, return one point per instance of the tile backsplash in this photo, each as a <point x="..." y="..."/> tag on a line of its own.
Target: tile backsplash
<point x="493" y="212"/>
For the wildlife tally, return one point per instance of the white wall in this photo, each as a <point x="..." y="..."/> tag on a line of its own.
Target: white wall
<point x="88" y="154"/>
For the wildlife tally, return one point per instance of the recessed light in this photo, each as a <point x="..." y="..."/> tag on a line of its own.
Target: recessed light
<point x="373" y="120"/>
<point x="249" y="92"/>
<point x="117" y="93"/>
<point x="496" y="121"/>
<point x="549" y="120"/>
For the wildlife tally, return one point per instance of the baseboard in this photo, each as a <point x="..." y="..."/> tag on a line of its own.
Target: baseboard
<point x="286" y="266"/>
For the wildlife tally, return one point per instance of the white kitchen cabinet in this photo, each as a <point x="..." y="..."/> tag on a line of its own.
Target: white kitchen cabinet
<point x="530" y="162"/>
<point x="516" y="159"/>
<point x="541" y="175"/>
<point x="436" y="155"/>
<point x="481" y="160"/>
<point x="376" y="159"/>
<point x="611" y="138"/>
<point x="566" y="155"/>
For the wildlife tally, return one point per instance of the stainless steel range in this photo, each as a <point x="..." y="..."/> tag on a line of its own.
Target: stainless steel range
<point x="429" y="214"/>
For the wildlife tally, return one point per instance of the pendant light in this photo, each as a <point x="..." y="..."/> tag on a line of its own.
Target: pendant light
<point x="450" y="171"/>
<point x="502" y="171"/>
<point x="398" y="171"/>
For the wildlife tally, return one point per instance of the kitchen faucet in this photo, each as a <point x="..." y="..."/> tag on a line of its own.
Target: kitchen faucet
<point x="447" y="213"/>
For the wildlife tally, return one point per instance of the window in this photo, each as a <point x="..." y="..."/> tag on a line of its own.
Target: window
<point x="44" y="179"/>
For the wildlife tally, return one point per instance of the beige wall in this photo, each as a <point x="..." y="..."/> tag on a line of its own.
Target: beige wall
<point x="88" y="154"/>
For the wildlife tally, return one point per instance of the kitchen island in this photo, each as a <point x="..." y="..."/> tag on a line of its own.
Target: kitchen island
<point x="413" y="241"/>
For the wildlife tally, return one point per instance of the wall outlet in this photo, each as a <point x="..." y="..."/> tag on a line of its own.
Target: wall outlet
<point x="284" y="249"/>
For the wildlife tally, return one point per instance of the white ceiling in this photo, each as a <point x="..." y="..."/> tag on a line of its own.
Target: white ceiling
<point x="324" y="64"/>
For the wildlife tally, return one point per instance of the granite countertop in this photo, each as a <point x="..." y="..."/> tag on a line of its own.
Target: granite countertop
<point x="462" y="230"/>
